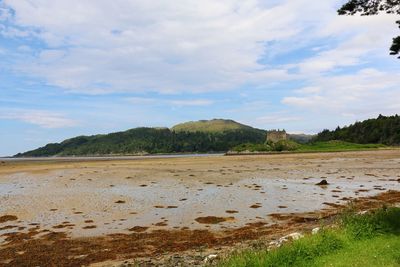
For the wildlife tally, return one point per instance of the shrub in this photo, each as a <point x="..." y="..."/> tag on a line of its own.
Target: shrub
<point x="285" y="145"/>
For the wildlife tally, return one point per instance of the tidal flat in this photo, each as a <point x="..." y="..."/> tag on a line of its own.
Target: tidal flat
<point x="78" y="212"/>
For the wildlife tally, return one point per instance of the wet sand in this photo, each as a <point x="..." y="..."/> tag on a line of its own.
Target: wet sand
<point x="187" y="201"/>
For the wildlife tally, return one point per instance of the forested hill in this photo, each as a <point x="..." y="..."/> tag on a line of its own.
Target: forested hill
<point x="382" y="130"/>
<point x="156" y="140"/>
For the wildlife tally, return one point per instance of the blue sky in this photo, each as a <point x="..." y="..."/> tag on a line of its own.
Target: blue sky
<point x="81" y="67"/>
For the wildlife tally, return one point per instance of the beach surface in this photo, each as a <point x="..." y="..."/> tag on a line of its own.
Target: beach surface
<point x="103" y="211"/>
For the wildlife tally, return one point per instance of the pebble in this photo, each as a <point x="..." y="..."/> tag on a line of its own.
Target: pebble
<point x="210" y="258"/>
<point x="315" y="230"/>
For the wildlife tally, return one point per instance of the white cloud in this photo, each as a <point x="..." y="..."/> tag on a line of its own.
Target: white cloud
<point x="361" y="95"/>
<point x="171" y="102"/>
<point x="339" y="86"/>
<point x="308" y="101"/>
<point x="191" y="103"/>
<point x="24" y="49"/>
<point x="5" y="13"/>
<point x="13" y="32"/>
<point x="276" y="119"/>
<point x="309" y="90"/>
<point x="365" y="38"/>
<point x="44" y="119"/>
<point x="143" y="100"/>
<point x="99" y="46"/>
<point x="169" y="47"/>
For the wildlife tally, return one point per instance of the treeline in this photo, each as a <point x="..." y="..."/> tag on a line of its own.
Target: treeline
<point x="149" y="140"/>
<point x="382" y="130"/>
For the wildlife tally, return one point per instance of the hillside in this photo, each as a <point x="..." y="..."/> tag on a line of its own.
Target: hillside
<point x="382" y="130"/>
<point x="152" y="140"/>
<point x="212" y="126"/>
<point x="301" y="138"/>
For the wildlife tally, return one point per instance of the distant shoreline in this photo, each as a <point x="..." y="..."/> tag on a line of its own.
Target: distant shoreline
<point x="180" y="155"/>
<point x="108" y="157"/>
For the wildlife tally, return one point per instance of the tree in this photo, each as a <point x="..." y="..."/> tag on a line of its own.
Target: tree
<point x="384" y="130"/>
<point x="374" y="7"/>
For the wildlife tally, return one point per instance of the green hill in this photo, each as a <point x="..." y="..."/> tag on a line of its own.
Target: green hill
<point x="382" y="130"/>
<point x="301" y="138"/>
<point x="155" y="140"/>
<point x="215" y="125"/>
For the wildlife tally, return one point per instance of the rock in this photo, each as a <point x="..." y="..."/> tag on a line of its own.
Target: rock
<point x="315" y="231"/>
<point x="210" y="258"/>
<point x="273" y="244"/>
<point x="323" y="182"/>
<point x="362" y="212"/>
<point x="76" y="257"/>
<point x="284" y="239"/>
<point x="294" y="236"/>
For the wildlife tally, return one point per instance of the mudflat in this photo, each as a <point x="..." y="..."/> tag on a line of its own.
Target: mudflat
<point x="74" y="211"/>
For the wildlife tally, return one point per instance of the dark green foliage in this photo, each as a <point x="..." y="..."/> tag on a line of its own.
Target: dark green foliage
<point x="374" y="7"/>
<point x="382" y="130"/>
<point x="252" y="148"/>
<point x="369" y="7"/>
<point x="395" y="48"/>
<point x="283" y="145"/>
<point x="149" y="140"/>
<point x="300" y="138"/>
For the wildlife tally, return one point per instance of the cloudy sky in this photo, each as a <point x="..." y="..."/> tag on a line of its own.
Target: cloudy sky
<point x="73" y="67"/>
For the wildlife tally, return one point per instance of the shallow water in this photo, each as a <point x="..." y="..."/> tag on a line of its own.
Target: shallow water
<point x="172" y="194"/>
<point x="97" y="158"/>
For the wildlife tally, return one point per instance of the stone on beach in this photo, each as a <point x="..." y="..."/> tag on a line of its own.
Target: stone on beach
<point x="323" y="182"/>
<point x="210" y="258"/>
<point x="315" y="231"/>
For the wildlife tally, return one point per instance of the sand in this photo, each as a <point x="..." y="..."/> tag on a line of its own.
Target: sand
<point x="101" y="200"/>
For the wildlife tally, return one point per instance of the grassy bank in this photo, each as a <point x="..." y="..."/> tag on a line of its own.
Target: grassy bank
<point x="288" y="145"/>
<point x="336" y="146"/>
<point x="372" y="239"/>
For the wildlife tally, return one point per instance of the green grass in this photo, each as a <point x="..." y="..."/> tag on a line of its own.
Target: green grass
<point x="336" y="146"/>
<point x="289" y="145"/>
<point x="215" y="125"/>
<point x="360" y="240"/>
<point x="378" y="251"/>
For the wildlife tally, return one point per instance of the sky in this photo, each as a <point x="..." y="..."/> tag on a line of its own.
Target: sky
<point x="83" y="67"/>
